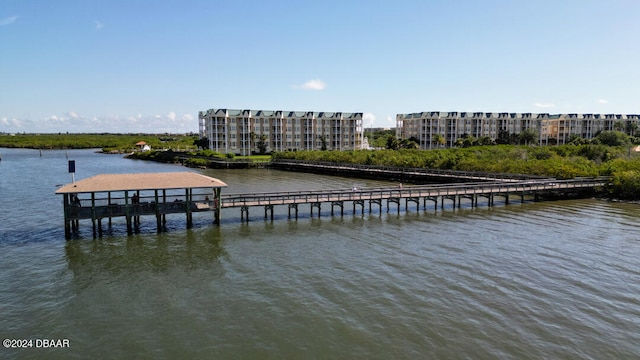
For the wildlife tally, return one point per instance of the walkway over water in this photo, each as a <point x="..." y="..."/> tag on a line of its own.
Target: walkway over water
<point x="158" y="194"/>
<point x="434" y="193"/>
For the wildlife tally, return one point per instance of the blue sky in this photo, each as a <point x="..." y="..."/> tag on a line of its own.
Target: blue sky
<point x="150" y="66"/>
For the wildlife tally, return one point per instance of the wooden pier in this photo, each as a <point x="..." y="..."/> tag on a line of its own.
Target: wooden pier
<point x="158" y="194"/>
<point x="436" y="194"/>
<point x="132" y="196"/>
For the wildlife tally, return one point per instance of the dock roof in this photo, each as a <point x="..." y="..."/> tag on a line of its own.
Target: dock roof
<point x="142" y="181"/>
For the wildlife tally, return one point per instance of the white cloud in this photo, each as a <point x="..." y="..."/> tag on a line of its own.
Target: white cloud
<point x="99" y="25"/>
<point x="544" y="106"/>
<point x="368" y="119"/>
<point x="55" y="119"/>
<point x="391" y="121"/>
<point x="73" y="122"/>
<point x="8" y="21"/>
<point x="602" y="101"/>
<point x="316" y="84"/>
<point x="7" y="123"/>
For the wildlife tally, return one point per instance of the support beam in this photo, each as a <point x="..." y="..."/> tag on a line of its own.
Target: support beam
<point x="187" y="204"/>
<point x="293" y="206"/>
<point x="341" y="205"/>
<point x="157" y="210"/>
<point x="412" y="199"/>
<point x="128" y="213"/>
<point x="268" y="209"/>
<point x="217" y="204"/>
<point x="361" y="203"/>
<point x="318" y="205"/>
<point x="431" y="198"/>
<point x="378" y="202"/>
<point x="394" y="200"/>
<point x="244" y="210"/>
<point x="93" y="213"/>
<point x="67" y="223"/>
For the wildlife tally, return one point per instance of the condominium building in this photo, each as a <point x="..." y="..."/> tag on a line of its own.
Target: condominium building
<point x="435" y="128"/>
<point x="241" y="131"/>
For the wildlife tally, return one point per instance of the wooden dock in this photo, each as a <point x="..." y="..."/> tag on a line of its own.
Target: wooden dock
<point x="133" y="196"/>
<point x="409" y="194"/>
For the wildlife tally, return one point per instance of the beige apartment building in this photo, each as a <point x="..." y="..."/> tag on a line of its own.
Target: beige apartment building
<point x="239" y="131"/>
<point x="430" y="126"/>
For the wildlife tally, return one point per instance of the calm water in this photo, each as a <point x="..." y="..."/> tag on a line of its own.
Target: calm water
<point x="552" y="280"/>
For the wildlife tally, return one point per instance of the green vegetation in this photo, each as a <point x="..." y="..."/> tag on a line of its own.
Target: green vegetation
<point x="608" y="154"/>
<point x="196" y="162"/>
<point x="106" y="142"/>
<point x="197" y="158"/>
<point x="529" y="137"/>
<point x="378" y="139"/>
<point x="561" y="162"/>
<point x="168" y="156"/>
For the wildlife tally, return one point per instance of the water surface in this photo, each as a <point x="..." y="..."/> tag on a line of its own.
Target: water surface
<point x="534" y="280"/>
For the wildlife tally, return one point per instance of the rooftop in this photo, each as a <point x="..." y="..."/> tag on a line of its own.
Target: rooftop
<point x="143" y="181"/>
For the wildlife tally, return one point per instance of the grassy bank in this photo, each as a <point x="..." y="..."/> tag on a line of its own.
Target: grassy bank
<point x="194" y="158"/>
<point x="107" y="142"/>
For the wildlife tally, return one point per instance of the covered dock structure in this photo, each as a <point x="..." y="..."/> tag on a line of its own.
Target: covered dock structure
<point x="108" y="196"/>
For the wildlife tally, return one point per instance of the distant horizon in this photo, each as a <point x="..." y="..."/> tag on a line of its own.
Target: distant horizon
<point x="123" y="67"/>
<point x="96" y="133"/>
<point x="119" y="133"/>
<point x="194" y="133"/>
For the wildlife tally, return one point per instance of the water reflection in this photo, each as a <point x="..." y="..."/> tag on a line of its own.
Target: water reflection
<point x="118" y="256"/>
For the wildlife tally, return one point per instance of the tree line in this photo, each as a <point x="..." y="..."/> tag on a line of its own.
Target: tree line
<point x="107" y="141"/>
<point x="596" y="158"/>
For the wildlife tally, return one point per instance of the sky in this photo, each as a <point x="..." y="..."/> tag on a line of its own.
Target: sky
<point x="134" y="66"/>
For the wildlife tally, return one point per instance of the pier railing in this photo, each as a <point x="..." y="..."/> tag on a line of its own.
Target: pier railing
<point x="97" y="209"/>
<point x="421" y="191"/>
<point x="116" y="207"/>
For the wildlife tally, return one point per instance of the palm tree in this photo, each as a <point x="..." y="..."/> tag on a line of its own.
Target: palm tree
<point x="527" y="136"/>
<point x="619" y="126"/>
<point x="392" y="142"/>
<point x="262" y="144"/>
<point x="409" y="144"/>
